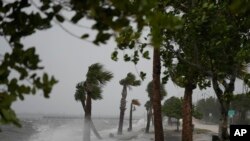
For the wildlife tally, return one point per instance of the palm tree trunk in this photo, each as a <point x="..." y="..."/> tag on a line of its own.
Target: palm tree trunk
<point x="91" y="122"/>
<point x="87" y="120"/>
<point x="94" y="130"/>
<point x="122" y="109"/>
<point x="149" y="114"/>
<point x="157" y="96"/>
<point x="187" y="131"/>
<point x="130" y="117"/>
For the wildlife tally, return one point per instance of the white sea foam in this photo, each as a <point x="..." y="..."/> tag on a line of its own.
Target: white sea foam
<point x="65" y="132"/>
<point x="73" y="131"/>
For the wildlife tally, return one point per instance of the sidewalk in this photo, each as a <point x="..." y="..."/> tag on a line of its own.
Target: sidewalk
<point x="202" y="132"/>
<point x="173" y="135"/>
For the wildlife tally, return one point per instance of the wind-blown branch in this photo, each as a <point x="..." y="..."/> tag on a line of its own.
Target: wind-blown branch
<point x="60" y="25"/>
<point x="197" y="66"/>
<point x="70" y="33"/>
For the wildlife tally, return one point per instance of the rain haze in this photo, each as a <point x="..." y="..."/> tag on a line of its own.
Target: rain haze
<point x="189" y="42"/>
<point x="67" y="58"/>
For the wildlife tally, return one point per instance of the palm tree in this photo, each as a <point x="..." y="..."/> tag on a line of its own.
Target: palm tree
<point x="129" y="81"/>
<point x="90" y="89"/>
<point x="156" y="102"/>
<point x="148" y="105"/>
<point x="134" y="102"/>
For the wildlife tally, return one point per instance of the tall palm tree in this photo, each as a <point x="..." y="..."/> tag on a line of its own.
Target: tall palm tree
<point x="134" y="102"/>
<point x="129" y="81"/>
<point x="89" y="89"/>
<point x="148" y="105"/>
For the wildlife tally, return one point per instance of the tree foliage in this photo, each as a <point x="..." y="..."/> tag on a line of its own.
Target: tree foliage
<point x="150" y="90"/>
<point x="240" y="104"/>
<point x="172" y="107"/>
<point x="135" y="102"/>
<point x="127" y="82"/>
<point x="211" y="48"/>
<point x="20" y="66"/>
<point x="89" y="89"/>
<point x="19" y="77"/>
<point x="130" y="80"/>
<point x="210" y="109"/>
<point x="96" y="78"/>
<point x="213" y="38"/>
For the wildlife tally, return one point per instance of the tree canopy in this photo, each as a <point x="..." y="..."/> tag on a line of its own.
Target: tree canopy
<point x="210" y="109"/>
<point x="240" y="104"/>
<point x="96" y="78"/>
<point x="130" y="80"/>
<point x="150" y="90"/>
<point x="211" y="38"/>
<point x="172" y="107"/>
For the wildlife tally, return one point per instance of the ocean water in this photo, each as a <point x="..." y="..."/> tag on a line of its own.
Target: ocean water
<point x="60" y="129"/>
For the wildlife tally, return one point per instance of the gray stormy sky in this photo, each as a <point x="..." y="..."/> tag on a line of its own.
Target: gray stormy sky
<point x="68" y="58"/>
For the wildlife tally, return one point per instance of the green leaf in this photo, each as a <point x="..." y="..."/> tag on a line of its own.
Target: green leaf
<point x="84" y="36"/>
<point x="33" y="90"/>
<point x="142" y="75"/>
<point x="126" y="58"/>
<point x="45" y="7"/>
<point x="146" y="55"/>
<point x="135" y="57"/>
<point x="59" y="18"/>
<point x="45" y="77"/>
<point x="114" y="55"/>
<point x="10" y="116"/>
<point x="77" y="17"/>
<point x="101" y="38"/>
<point x="57" y="8"/>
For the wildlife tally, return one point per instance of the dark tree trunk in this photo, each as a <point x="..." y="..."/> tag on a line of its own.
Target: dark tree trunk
<point x="130" y="117"/>
<point x="223" y="133"/>
<point x="187" y="131"/>
<point x="87" y="120"/>
<point x="157" y="96"/>
<point x="224" y="103"/>
<point x="243" y="117"/>
<point x="149" y="114"/>
<point x="122" y="109"/>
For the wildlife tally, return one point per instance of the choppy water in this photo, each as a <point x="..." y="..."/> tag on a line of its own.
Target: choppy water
<point x="12" y="133"/>
<point x="56" y="129"/>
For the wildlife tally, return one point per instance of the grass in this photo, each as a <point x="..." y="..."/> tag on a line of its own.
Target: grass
<point x="201" y="131"/>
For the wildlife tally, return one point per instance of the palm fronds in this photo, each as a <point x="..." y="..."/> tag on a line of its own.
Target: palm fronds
<point x="96" y="77"/>
<point x="80" y="93"/>
<point x="136" y="102"/>
<point x="130" y="80"/>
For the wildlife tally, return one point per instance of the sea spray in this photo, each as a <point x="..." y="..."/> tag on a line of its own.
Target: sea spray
<point x="72" y="129"/>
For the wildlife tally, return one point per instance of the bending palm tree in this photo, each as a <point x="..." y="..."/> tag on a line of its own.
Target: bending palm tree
<point x="134" y="102"/>
<point x="130" y="80"/>
<point x="90" y="89"/>
<point x="149" y="105"/>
